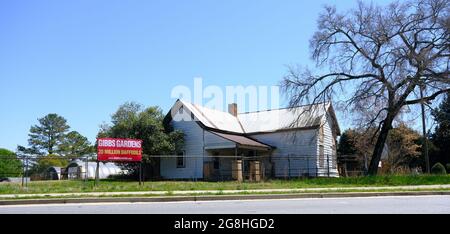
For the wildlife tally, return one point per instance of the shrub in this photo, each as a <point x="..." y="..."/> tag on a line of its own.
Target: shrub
<point x="438" y="169"/>
<point x="10" y="165"/>
<point x="448" y="167"/>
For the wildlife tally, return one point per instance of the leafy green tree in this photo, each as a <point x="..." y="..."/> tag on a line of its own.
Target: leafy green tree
<point x="132" y="120"/>
<point x="48" y="135"/>
<point x="10" y="165"/>
<point x="441" y="136"/>
<point x="347" y="152"/>
<point x="347" y="143"/>
<point x="354" y="147"/>
<point x="41" y="164"/>
<point x="75" y="145"/>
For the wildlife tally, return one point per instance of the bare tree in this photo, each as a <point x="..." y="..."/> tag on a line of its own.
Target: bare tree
<point x="379" y="57"/>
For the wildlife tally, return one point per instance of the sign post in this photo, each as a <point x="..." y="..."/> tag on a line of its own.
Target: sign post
<point x="140" y="173"/>
<point x="119" y="150"/>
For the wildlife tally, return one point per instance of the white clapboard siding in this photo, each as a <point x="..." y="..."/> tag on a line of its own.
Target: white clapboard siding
<point x="329" y="146"/>
<point x="193" y="149"/>
<point x="295" y="153"/>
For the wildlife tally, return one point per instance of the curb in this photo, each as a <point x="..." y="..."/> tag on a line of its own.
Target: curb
<point x="216" y="197"/>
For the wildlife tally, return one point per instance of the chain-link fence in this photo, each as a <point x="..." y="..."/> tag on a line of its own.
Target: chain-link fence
<point x="23" y="169"/>
<point x="251" y="168"/>
<point x="352" y="165"/>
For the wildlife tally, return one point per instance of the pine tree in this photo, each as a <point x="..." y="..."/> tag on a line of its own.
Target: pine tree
<point x="441" y="135"/>
<point x="48" y="135"/>
<point x="75" y="145"/>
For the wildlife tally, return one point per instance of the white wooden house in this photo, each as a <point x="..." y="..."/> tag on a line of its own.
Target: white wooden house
<point x="288" y="142"/>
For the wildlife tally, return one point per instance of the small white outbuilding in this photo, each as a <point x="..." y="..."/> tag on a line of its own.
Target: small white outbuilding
<point x="77" y="170"/>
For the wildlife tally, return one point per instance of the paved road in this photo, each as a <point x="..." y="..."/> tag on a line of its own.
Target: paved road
<point x="405" y="204"/>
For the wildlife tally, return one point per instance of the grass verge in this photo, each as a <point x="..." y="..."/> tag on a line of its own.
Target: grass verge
<point x="222" y="194"/>
<point x="39" y="187"/>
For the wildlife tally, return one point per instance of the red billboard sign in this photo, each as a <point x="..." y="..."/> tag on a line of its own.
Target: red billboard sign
<point x="121" y="150"/>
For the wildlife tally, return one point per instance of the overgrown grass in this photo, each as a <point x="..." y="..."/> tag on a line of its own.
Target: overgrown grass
<point x="117" y="186"/>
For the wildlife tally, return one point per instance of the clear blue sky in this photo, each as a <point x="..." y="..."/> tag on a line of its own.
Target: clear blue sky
<point x="82" y="59"/>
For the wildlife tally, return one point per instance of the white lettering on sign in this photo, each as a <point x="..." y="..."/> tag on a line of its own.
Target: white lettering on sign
<point x="119" y="143"/>
<point x="107" y="143"/>
<point x="128" y="144"/>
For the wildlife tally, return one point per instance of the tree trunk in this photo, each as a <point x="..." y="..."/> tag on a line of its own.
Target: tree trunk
<point x="379" y="146"/>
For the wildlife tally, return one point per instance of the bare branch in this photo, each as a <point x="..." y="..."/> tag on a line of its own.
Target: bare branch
<point x="376" y="58"/>
<point x="428" y="98"/>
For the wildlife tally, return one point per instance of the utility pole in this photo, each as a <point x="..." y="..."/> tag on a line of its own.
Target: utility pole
<point x="424" y="131"/>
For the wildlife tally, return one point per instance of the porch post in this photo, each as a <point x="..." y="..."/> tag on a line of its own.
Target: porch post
<point x="255" y="172"/>
<point x="237" y="167"/>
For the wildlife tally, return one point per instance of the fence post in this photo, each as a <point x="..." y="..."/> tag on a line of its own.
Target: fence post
<point x="317" y="167"/>
<point x="23" y="172"/>
<point x="328" y="165"/>
<point x="194" y="159"/>
<point x="307" y="164"/>
<point x="289" y="166"/>
<point x="143" y="173"/>
<point x="97" y="175"/>
<point x="86" y="171"/>
<point x="140" y="173"/>
<point x="26" y="173"/>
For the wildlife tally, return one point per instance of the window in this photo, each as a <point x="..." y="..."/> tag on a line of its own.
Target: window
<point x="321" y="135"/>
<point x="333" y="157"/>
<point x="181" y="160"/>
<point x="322" y="158"/>
<point x="216" y="163"/>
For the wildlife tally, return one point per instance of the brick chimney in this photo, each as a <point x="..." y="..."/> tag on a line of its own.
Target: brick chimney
<point x="232" y="109"/>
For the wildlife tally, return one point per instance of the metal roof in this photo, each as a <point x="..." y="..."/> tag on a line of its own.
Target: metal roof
<point x="243" y="141"/>
<point x="214" y="118"/>
<point x="283" y="119"/>
<point x="307" y="116"/>
<point x="105" y="169"/>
